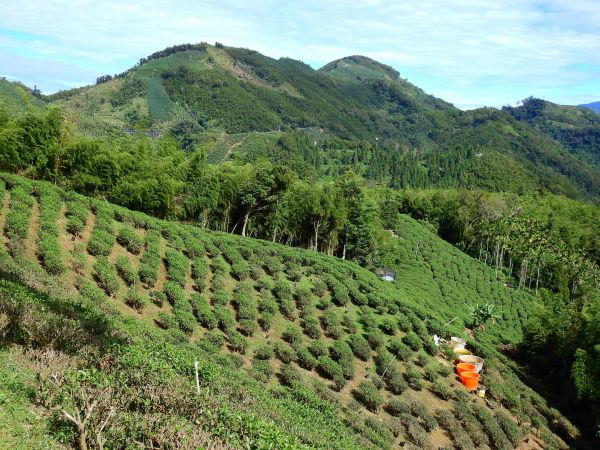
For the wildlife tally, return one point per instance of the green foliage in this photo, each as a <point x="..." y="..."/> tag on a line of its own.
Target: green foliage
<point x="150" y="260"/>
<point x="177" y="266"/>
<point x="203" y="311"/>
<point x="106" y="275"/>
<point x="129" y="239"/>
<point x="368" y="394"/>
<point x="360" y="347"/>
<point x="126" y="270"/>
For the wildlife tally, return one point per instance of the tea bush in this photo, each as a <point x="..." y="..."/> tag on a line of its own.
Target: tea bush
<point x="203" y="311"/>
<point x="136" y="300"/>
<point x="440" y="388"/>
<point x="284" y="353"/>
<point x="394" y="380"/>
<point x="106" y="275"/>
<point x="289" y="375"/>
<point x="129" y="239"/>
<point x="126" y="270"/>
<point x="150" y="261"/>
<point x="311" y="327"/>
<point x="177" y="266"/>
<point x="368" y="394"/>
<point x="360" y="347"/>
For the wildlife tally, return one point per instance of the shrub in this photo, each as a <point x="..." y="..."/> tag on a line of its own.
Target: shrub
<point x="414" y="377"/>
<point x="319" y="287"/>
<point x="284" y="353"/>
<point x="199" y="273"/>
<point x="158" y="298"/>
<point x="282" y="290"/>
<point x="403" y="323"/>
<point x="288" y="308"/>
<point x="77" y="215"/>
<point x="289" y="375"/>
<point x="136" y="300"/>
<point x="331" y="324"/>
<point x="329" y="368"/>
<point x="150" y="260"/>
<point x="369" y="396"/>
<point x="492" y="429"/>
<point x="203" y="312"/>
<point x="312" y="327"/>
<point x="106" y="276"/>
<point x="215" y="338"/>
<point x="166" y="321"/>
<point x="375" y="338"/>
<point x="510" y="428"/>
<point x="441" y="389"/>
<point x="412" y="340"/>
<point x="305" y="359"/>
<point x="349" y="322"/>
<point x="237" y="342"/>
<point x="388" y="325"/>
<point x="318" y="349"/>
<point x="50" y="252"/>
<point x="101" y="243"/>
<point x="264" y="284"/>
<point x="262" y="370"/>
<point x="418" y="409"/>
<point x="129" y="239"/>
<point x="92" y="292"/>
<point x="422" y="359"/>
<point x="470" y="423"/>
<point x="224" y="318"/>
<point x="177" y="266"/>
<point x="266" y="321"/>
<point x="381" y="428"/>
<point x="394" y="380"/>
<point x="126" y="270"/>
<point x="397" y="407"/>
<point x="447" y="421"/>
<point x="360" y="347"/>
<point x="292" y="335"/>
<point x="263" y="352"/>
<point x="400" y="349"/>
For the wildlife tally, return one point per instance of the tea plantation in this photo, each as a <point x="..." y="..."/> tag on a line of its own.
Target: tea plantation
<point x="105" y="306"/>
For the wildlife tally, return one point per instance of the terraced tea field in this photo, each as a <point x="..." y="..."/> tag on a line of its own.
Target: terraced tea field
<point x="291" y="317"/>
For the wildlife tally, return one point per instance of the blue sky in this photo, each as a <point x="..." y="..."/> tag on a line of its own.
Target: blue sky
<point x="471" y="53"/>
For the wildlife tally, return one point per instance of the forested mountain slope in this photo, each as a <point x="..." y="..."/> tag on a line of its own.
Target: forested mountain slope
<point x="127" y="302"/>
<point x="576" y="127"/>
<point x="195" y="92"/>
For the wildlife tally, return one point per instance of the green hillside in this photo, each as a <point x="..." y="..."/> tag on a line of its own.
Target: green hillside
<point x="576" y="127"/>
<point x="189" y="91"/>
<point x="296" y="349"/>
<point x="16" y="98"/>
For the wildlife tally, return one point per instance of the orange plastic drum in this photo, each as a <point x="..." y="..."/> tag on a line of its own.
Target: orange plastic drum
<point x="469" y="379"/>
<point x="465" y="367"/>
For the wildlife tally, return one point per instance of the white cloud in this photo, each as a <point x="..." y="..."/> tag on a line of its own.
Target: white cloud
<point x="467" y="52"/>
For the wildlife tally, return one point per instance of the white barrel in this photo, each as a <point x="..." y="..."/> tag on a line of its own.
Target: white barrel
<point x="457" y="343"/>
<point x="472" y="359"/>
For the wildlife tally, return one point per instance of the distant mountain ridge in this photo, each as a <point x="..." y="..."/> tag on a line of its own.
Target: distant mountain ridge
<point x="194" y="89"/>
<point x="594" y="106"/>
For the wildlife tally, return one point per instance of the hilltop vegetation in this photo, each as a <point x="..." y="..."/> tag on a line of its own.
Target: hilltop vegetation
<point x="407" y="138"/>
<point x="301" y="338"/>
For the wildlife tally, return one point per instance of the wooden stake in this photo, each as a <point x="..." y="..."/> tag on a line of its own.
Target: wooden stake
<point x="197" y="379"/>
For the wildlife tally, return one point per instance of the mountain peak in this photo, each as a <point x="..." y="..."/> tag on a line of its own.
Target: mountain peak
<point x="359" y="66"/>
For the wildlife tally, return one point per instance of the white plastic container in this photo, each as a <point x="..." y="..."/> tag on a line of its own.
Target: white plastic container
<point x="472" y="359"/>
<point x="457" y="343"/>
